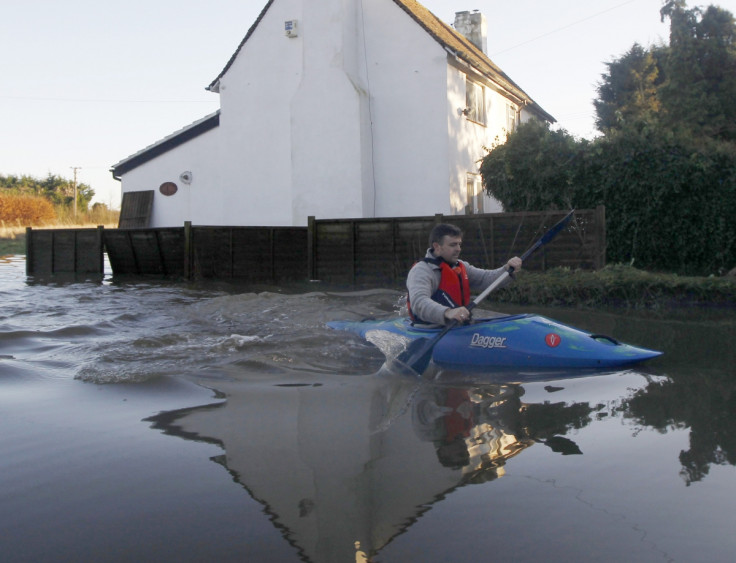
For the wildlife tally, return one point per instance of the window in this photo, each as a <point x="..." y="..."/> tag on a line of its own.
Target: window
<point x="475" y="102"/>
<point x="475" y="196"/>
<point x="510" y="118"/>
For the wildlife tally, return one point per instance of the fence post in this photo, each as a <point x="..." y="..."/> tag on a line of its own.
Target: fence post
<point x="188" y="273"/>
<point x="101" y="246"/>
<point x="29" y="251"/>
<point x="272" y="252"/>
<point x="353" y="246"/>
<point x="492" y="226"/>
<point x="395" y="275"/>
<point x="600" y="219"/>
<point x="311" y="247"/>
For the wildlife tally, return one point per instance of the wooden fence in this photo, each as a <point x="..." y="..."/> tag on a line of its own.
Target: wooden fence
<point x="379" y="252"/>
<point x="353" y="252"/>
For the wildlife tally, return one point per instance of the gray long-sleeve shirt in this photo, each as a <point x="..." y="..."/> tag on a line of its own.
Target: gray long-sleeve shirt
<point x="424" y="279"/>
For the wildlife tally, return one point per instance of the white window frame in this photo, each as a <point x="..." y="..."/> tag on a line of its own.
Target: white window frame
<point x="475" y="101"/>
<point x="511" y="118"/>
<point x="474" y="194"/>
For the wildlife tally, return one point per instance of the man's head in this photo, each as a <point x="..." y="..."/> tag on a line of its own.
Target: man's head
<point x="445" y="240"/>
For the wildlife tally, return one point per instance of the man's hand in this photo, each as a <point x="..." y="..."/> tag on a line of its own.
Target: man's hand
<point x="459" y="314"/>
<point x="514" y="264"/>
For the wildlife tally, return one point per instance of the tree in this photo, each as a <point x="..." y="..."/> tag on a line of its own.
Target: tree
<point x="700" y="91"/>
<point x="533" y="169"/>
<point x="56" y="189"/>
<point x="687" y="86"/>
<point x="628" y="91"/>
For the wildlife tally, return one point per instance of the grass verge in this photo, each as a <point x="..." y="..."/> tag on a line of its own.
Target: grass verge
<point x="618" y="286"/>
<point x="12" y="240"/>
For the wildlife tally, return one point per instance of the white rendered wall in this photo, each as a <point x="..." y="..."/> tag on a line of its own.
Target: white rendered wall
<point x="355" y="117"/>
<point x="196" y="202"/>
<point x="407" y="77"/>
<point x="327" y="148"/>
<point x="255" y="123"/>
<point x="331" y="152"/>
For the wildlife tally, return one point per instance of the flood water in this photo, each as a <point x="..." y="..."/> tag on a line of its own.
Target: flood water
<point x="185" y="422"/>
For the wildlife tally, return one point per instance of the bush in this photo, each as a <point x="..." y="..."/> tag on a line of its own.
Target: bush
<point x="670" y="200"/>
<point x="26" y="211"/>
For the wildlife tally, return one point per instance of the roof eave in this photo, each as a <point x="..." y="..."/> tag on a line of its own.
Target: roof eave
<point x="166" y="144"/>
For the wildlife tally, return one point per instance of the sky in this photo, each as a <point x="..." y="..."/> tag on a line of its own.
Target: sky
<point x="84" y="83"/>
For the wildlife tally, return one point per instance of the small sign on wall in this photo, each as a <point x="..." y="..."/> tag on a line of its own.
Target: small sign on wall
<point x="168" y="188"/>
<point x="290" y="28"/>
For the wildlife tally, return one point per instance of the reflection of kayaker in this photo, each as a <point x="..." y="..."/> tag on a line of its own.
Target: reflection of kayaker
<point x="360" y="556"/>
<point x="456" y="420"/>
<point x="482" y="427"/>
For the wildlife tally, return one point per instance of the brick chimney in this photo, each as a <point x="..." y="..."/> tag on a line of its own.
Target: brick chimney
<point x="473" y="26"/>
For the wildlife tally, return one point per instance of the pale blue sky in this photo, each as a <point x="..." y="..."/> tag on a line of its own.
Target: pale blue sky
<point x="86" y="83"/>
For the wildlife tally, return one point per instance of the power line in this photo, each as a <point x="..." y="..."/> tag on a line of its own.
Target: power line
<point x="104" y="100"/>
<point x="564" y="27"/>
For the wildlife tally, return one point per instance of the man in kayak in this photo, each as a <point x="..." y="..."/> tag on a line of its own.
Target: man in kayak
<point x="439" y="285"/>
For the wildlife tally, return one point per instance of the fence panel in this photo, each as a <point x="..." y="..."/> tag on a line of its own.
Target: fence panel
<point x="374" y="247"/>
<point x="155" y="252"/>
<point x="290" y="254"/>
<point x="211" y="252"/>
<point x="64" y="251"/>
<point x="334" y="251"/>
<point x="256" y="254"/>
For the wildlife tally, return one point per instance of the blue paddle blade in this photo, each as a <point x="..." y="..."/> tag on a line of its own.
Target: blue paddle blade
<point x="415" y="358"/>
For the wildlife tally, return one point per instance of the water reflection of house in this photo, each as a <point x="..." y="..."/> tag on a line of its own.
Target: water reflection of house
<point x="352" y="460"/>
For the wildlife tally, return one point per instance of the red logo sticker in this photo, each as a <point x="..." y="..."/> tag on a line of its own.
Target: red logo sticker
<point x="553" y="340"/>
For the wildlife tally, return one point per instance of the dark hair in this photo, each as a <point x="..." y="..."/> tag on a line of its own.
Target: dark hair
<point x="443" y="230"/>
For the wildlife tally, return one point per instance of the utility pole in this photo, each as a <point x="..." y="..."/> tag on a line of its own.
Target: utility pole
<point x="75" y="168"/>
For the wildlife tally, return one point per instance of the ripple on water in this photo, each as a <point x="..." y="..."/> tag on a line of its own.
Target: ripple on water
<point x="134" y="332"/>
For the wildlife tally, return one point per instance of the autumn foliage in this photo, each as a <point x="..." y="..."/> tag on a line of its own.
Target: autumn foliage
<point x="28" y="211"/>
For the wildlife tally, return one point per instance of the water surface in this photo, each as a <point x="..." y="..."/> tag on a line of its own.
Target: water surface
<point x="149" y="420"/>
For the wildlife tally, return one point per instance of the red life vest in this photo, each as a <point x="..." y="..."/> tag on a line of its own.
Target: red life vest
<point x="453" y="284"/>
<point x="454" y="288"/>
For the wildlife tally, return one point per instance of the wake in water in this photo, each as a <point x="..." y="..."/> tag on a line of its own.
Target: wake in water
<point x="136" y="332"/>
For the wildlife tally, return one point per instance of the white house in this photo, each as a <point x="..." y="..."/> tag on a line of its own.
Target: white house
<point x="338" y="109"/>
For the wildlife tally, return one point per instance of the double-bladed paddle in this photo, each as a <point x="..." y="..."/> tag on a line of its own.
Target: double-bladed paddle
<point x="417" y="355"/>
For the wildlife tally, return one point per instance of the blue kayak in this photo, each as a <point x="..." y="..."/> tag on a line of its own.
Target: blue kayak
<point x="513" y="341"/>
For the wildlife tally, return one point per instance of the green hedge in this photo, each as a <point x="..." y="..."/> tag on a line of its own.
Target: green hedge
<point x="670" y="204"/>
